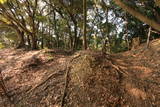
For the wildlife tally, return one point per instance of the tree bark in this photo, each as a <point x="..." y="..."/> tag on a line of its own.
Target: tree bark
<point x="148" y="38"/>
<point x="70" y="37"/>
<point x="29" y="42"/>
<point x="42" y="41"/>
<point x="138" y="15"/>
<point x="107" y="40"/>
<point x="75" y="36"/>
<point x="34" y="42"/>
<point x="84" y="24"/>
<point x="55" y="29"/>
<point x="135" y="42"/>
<point x="21" y="43"/>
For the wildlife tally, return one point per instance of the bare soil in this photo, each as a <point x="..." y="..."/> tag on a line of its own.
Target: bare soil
<point x="56" y="78"/>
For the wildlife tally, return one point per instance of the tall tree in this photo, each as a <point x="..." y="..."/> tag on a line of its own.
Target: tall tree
<point x="21" y="16"/>
<point x="84" y="24"/>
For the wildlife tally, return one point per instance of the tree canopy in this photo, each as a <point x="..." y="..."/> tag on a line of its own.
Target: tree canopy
<point x="71" y="24"/>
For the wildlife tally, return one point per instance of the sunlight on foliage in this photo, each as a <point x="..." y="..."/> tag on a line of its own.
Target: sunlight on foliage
<point x="157" y="2"/>
<point x="2" y="1"/>
<point x="1" y="46"/>
<point x="5" y="20"/>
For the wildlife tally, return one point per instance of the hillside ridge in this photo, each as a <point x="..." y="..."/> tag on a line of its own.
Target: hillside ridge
<point x="38" y="78"/>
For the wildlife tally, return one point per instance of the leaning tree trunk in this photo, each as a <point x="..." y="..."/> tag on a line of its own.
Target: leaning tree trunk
<point x="138" y="15"/>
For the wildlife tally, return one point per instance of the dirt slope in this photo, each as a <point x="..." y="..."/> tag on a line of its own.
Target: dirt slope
<point x="38" y="78"/>
<point x="32" y="78"/>
<point x="121" y="80"/>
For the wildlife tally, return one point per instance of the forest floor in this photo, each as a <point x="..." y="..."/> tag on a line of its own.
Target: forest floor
<point x="57" y="78"/>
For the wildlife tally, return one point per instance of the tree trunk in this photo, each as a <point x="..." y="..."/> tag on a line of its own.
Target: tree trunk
<point x="55" y="29"/>
<point x="84" y="24"/>
<point x="71" y="42"/>
<point x="127" y="41"/>
<point x="75" y="36"/>
<point x="107" y="40"/>
<point x="138" y="15"/>
<point x="70" y="37"/>
<point x="21" y="43"/>
<point x="29" y="42"/>
<point x="42" y="36"/>
<point x="135" y="42"/>
<point x="148" y="38"/>
<point x="126" y="35"/>
<point x="42" y="42"/>
<point x="34" y="42"/>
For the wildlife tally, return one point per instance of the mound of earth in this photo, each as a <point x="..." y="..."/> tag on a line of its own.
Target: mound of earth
<point x="94" y="82"/>
<point x="111" y="81"/>
<point x="56" y="78"/>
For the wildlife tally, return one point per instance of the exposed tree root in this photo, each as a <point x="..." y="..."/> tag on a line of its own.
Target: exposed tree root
<point x="119" y="69"/>
<point x="65" y="87"/>
<point x="68" y="68"/>
<point x="49" y="77"/>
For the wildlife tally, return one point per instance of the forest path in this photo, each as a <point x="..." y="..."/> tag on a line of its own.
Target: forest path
<point x="37" y="78"/>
